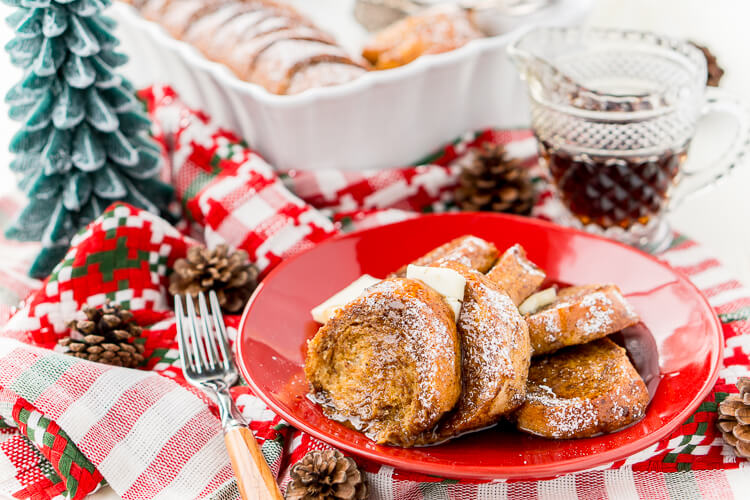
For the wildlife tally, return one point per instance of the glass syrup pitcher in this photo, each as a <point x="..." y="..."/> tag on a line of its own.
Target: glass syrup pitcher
<point x="614" y="112"/>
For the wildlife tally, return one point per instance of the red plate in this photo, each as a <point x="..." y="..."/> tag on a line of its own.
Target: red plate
<point x="277" y="324"/>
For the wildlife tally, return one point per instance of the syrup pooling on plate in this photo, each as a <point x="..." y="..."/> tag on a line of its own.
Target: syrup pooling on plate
<point x="641" y="347"/>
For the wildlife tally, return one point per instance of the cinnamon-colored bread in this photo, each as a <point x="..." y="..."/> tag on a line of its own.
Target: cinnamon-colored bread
<point x="225" y="39"/>
<point x="581" y="391"/>
<point x="276" y="65"/>
<point x="322" y="74"/>
<point x="495" y="354"/>
<point x="579" y="315"/>
<point x="470" y="251"/>
<point x="261" y="41"/>
<point x="260" y="50"/>
<point x="432" y="31"/>
<point x="388" y="363"/>
<point x="516" y="274"/>
<point x="397" y="365"/>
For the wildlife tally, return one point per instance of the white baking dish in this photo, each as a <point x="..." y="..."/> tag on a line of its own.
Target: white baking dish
<point x="383" y="119"/>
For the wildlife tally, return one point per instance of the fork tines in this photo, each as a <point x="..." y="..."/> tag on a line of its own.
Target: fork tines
<point x="204" y="347"/>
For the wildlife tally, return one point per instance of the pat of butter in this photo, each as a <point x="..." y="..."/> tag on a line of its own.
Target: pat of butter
<point x="324" y="311"/>
<point x="447" y="282"/>
<point x="537" y="301"/>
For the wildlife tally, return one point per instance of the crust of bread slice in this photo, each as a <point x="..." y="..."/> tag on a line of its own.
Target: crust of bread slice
<point x="516" y="274"/>
<point x="244" y="57"/>
<point x="323" y="74"/>
<point x="201" y="32"/>
<point x="275" y="66"/>
<point x="470" y="251"/>
<point x="495" y="354"/>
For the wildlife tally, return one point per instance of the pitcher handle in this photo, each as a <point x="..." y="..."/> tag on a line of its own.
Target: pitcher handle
<point x="717" y="101"/>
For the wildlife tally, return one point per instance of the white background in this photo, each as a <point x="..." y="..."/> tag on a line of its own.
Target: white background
<point x="719" y="219"/>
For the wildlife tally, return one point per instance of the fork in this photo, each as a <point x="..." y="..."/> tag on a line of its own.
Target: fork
<point x="207" y="364"/>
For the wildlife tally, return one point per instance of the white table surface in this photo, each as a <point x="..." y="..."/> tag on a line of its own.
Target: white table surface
<point x="719" y="219"/>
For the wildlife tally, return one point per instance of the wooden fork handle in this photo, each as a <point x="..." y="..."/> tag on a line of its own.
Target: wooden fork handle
<point x="254" y="478"/>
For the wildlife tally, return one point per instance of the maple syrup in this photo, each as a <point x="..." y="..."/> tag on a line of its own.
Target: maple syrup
<point x="613" y="190"/>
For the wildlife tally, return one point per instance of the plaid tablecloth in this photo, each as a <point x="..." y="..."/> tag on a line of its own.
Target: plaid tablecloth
<point x="67" y="425"/>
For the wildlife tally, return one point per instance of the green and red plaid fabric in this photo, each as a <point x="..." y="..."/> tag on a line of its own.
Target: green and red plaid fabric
<point x="228" y="190"/>
<point x="66" y="425"/>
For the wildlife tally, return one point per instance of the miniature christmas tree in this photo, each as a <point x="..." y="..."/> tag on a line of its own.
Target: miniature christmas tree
<point x="83" y="142"/>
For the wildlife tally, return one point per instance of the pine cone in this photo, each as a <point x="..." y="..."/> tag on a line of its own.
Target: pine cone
<point x="713" y="69"/>
<point x="492" y="182"/>
<point x="105" y="336"/>
<point x="326" y="475"/>
<point x="230" y="274"/>
<point x="734" y="418"/>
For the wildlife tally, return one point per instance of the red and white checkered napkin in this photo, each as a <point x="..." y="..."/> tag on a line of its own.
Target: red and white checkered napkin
<point x="67" y="424"/>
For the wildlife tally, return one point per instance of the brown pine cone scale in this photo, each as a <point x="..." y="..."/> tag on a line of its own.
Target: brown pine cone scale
<point x="734" y="419"/>
<point x="105" y="336"/>
<point x="326" y="475"/>
<point x="230" y="274"/>
<point x="491" y="181"/>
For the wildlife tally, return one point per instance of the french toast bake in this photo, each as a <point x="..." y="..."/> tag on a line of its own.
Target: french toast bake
<point x="261" y="41"/>
<point x="581" y="391"/>
<point x="389" y="362"/>
<point x="469" y="251"/>
<point x="495" y="357"/>
<point x="579" y="315"/>
<point x="368" y="363"/>
<point x="271" y="44"/>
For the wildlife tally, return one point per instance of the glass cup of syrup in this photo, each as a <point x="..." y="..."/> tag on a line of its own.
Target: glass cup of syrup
<point x="614" y="113"/>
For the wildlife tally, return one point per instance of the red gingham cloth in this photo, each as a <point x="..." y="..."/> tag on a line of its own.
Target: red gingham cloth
<point x="51" y="405"/>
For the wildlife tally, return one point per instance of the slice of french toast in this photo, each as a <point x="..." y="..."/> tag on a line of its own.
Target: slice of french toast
<point x="580" y="314"/>
<point x="388" y="362"/>
<point x="582" y="391"/>
<point x="516" y="274"/>
<point x="495" y="356"/>
<point x="470" y="251"/>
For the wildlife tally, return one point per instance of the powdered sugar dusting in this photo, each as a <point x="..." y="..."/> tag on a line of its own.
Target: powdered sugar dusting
<point x="276" y="61"/>
<point x="526" y="264"/>
<point x="598" y="317"/>
<point x="470" y="245"/>
<point x="571" y="415"/>
<point x="206" y="26"/>
<point x="241" y="24"/>
<point x="411" y="332"/>
<point x="552" y="325"/>
<point x="322" y="75"/>
<point x="492" y="340"/>
<point x="417" y="323"/>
